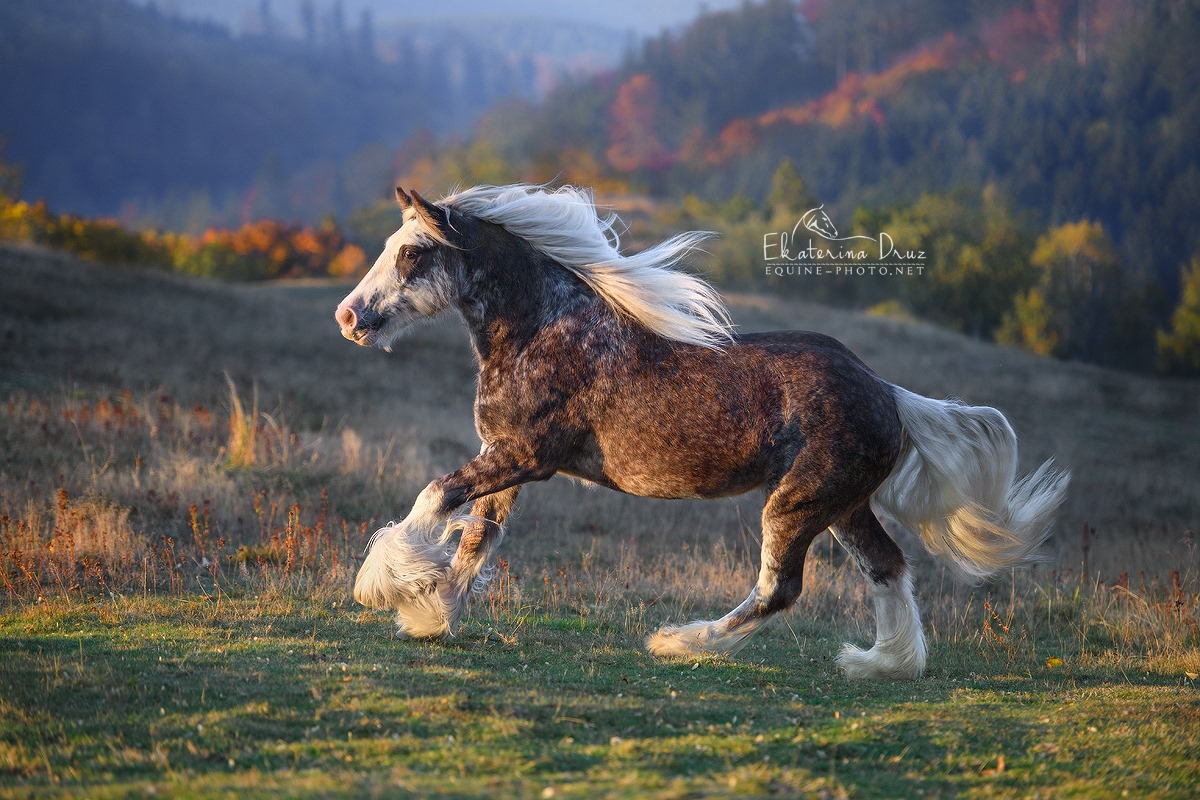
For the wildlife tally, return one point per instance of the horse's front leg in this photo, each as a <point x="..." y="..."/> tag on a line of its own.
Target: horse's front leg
<point x="415" y="568"/>
<point x="481" y="535"/>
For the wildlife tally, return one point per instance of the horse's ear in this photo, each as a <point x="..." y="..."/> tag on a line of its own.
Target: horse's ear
<point x="403" y="199"/>
<point x="430" y="214"/>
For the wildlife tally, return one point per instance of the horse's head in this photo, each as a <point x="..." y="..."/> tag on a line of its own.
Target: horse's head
<point x="409" y="281"/>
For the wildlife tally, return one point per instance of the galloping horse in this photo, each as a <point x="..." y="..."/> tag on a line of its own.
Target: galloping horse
<point x="625" y="371"/>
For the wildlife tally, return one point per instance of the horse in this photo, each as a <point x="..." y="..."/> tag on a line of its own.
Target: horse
<point x="625" y="371"/>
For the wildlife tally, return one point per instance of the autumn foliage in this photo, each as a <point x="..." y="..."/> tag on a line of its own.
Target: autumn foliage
<point x="259" y="250"/>
<point x="860" y="96"/>
<point x="634" y="142"/>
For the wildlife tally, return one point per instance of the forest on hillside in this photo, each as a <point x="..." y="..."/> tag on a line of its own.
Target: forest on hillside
<point x="119" y="109"/>
<point x="1071" y="108"/>
<point x="1042" y="155"/>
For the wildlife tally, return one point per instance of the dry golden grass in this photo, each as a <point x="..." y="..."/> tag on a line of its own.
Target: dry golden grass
<point x="189" y="472"/>
<point x="156" y="430"/>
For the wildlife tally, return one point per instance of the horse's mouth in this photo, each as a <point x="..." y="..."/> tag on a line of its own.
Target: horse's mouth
<point x="364" y="336"/>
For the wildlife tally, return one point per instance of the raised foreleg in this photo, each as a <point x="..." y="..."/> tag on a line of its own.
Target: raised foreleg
<point x="414" y="567"/>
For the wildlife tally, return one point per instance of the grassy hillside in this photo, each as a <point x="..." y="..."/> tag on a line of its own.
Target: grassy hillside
<point x="76" y="334"/>
<point x="188" y="472"/>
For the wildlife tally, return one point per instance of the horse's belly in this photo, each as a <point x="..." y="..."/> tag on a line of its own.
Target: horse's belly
<point x="681" y="483"/>
<point x="668" y="463"/>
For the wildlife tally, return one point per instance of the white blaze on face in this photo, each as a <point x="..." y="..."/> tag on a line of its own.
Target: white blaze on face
<point x="383" y="282"/>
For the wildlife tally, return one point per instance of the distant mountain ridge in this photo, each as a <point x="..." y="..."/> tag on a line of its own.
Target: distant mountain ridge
<point x="115" y="108"/>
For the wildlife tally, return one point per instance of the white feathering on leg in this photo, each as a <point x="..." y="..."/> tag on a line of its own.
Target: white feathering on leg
<point x="404" y="564"/>
<point x="899" y="650"/>
<point x="724" y="636"/>
<point x="408" y="568"/>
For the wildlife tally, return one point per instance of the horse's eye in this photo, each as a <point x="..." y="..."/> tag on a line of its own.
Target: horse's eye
<point x="408" y="253"/>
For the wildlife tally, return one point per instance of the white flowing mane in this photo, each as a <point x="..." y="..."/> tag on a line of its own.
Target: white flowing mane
<point x="647" y="286"/>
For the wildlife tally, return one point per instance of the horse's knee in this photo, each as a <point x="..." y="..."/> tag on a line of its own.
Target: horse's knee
<point x="779" y="592"/>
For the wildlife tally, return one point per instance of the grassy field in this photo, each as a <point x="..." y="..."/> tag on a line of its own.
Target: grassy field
<point x="188" y="473"/>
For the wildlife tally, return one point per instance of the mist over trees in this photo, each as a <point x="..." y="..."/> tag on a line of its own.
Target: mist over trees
<point x="118" y="109"/>
<point x="1045" y="154"/>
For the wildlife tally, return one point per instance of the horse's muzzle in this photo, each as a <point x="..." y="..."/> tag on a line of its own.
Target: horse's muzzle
<point x="359" y="325"/>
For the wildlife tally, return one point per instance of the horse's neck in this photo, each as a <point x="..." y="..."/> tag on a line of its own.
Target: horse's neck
<point x="515" y="300"/>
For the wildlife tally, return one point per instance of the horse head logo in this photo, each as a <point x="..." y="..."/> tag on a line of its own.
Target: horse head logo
<point x="817" y="221"/>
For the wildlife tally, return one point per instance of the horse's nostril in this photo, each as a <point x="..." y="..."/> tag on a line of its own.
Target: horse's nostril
<point x="346" y="318"/>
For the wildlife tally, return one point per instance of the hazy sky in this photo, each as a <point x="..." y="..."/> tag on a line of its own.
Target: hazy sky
<point x="639" y="16"/>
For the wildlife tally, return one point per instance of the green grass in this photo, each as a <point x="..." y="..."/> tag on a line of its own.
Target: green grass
<point x="189" y="473"/>
<point x="283" y="692"/>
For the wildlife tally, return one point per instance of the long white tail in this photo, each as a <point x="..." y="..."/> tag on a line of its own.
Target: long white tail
<point x="955" y="483"/>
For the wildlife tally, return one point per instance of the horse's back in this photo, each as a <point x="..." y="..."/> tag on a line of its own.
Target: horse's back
<point x="790" y="342"/>
<point x="811" y="358"/>
<point x="836" y="403"/>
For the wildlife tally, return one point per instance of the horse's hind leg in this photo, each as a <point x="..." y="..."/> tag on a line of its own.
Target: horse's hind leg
<point x="899" y="650"/>
<point x="789" y="527"/>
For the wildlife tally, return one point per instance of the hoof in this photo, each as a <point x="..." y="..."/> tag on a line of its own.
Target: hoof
<point x="671" y="642"/>
<point x="424" y="616"/>
<point x="694" y="639"/>
<point x="858" y="664"/>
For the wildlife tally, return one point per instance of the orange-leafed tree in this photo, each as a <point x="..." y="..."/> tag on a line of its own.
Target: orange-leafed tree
<point x="633" y="142"/>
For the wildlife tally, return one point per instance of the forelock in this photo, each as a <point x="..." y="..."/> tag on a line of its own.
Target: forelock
<point x="424" y="233"/>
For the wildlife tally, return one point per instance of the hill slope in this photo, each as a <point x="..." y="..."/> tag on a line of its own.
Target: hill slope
<point x="73" y="330"/>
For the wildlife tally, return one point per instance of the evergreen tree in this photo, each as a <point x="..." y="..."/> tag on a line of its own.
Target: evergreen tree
<point x="308" y="23"/>
<point x="366" y="37"/>
<point x="10" y="176"/>
<point x="789" y="195"/>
